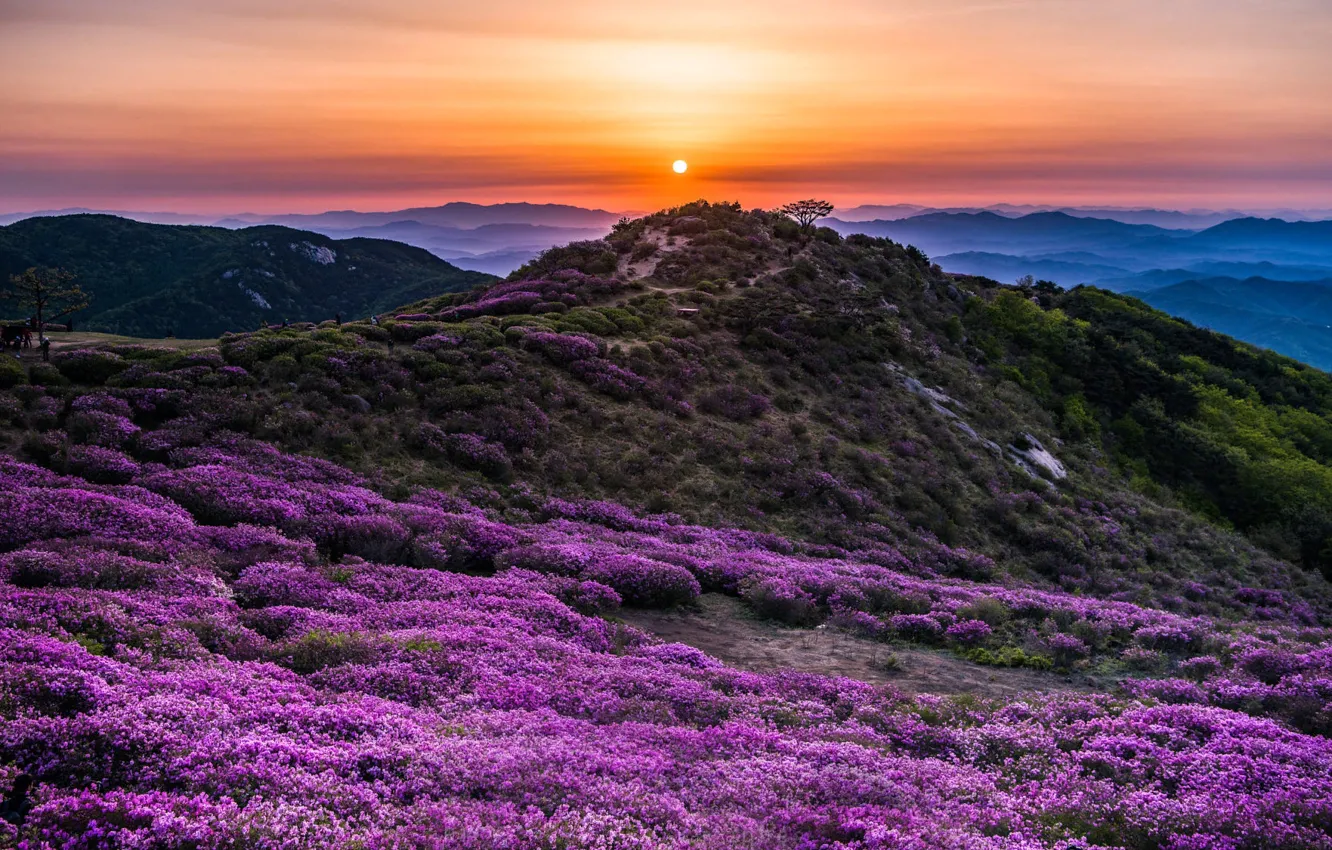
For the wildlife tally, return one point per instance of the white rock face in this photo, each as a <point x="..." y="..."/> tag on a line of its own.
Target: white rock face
<point x="1035" y="460"/>
<point x="315" y="253"/>
<point x="258" y="299"/>
<point x="1037" y="457"/>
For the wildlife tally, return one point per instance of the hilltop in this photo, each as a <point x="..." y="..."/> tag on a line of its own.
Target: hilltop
<point x="152" y="280"/>
<point x="1049" y="565"/>
<point x="716" y="364"/>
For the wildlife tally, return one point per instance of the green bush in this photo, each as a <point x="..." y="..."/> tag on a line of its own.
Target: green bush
<point x="318" y="649"/>
<point x="1008" y="656"/>
<point x="46" y="375"/>
<point x="11" y="373"/>
<point x="89" y="366"/>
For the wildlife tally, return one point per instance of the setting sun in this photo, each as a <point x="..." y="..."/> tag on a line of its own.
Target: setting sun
<point x="680" y="166"/>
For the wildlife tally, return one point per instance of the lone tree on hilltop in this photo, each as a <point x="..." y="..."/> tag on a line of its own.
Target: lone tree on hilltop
<point x="46" y="290"/>
<point x="807" y="212"/>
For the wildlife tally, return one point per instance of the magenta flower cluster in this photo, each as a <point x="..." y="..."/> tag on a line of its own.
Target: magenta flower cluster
<point x="243" y="648"/>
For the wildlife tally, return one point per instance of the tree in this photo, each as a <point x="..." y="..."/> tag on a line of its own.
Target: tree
<point x="46" y="290"/>
<point x="807" y="212"/>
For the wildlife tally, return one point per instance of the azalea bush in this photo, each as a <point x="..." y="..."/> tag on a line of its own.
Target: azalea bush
<point x="213" y="635"/>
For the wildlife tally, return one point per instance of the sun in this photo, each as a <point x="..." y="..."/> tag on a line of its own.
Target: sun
<point x="680" y="166"/>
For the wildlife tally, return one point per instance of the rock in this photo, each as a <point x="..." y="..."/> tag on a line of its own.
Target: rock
<point x="1034" y="457"/>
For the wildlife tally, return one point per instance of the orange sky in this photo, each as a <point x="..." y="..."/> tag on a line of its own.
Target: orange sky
<point x="305" y="105"/>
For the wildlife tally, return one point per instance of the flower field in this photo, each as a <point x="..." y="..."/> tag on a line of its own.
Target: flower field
<point x="361" y="586"/>
<point x="186" y="666"/>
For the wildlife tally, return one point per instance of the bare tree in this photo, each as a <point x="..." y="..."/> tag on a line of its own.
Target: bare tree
<point x="807" y="212"/>
<point x="46" y="290"/>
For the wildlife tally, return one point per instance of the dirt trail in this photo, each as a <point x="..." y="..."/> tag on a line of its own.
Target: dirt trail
<point x="725" y="629"/>
<point x="644" y="268"/>
<point x="63" y="340"/>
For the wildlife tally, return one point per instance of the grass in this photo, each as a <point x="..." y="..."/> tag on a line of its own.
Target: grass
<point x="85" y="339"/>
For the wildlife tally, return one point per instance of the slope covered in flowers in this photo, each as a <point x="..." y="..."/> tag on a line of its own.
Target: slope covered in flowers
<point x="359" y="586"/>
<point x="231" y="675"/>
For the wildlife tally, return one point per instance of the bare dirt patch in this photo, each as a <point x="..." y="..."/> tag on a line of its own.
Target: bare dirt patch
<point x="644" y="268"/>
<point x="725" y="629"/>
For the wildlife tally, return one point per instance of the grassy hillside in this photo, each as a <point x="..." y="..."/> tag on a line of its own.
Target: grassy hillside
<point x="514" y="568"/>
<point x="722" y="366"/>
<point x="1238" y="433"/>
<point x="152" y="280"/>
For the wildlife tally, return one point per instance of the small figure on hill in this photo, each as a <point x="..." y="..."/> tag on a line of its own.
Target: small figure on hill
<point x="337" y="317"/>
<point x="14" y="810"/>
<point x="45" y="346"/>
<point x="374" y="320"/>
<point x="285" y="323"/>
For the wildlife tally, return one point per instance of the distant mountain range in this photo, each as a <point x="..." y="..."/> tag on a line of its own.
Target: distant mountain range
<point x="1195" y="219"/>
<point x="153" y="280"/>
<point x="493" y="238"/>
<point x="493" y="248"/>
<point x="1294" y="319"/>
<point x="1260" y="280"/>
<point x="498" y="238"/>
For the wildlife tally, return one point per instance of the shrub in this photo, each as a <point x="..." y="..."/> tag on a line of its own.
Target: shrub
<point x="11" y="372"/>
<point x="734" y="403"/>
<point x="560" y="348"/>
<point x="644" y="582"/>
<point x="97" y="428"/>
<point x="87" y="366"/>
<point x="779" y="599"/>
<point x="595" y="257"/>
<point x="374" y="537"/>
<point x="1200" y="668"/>
<point x="546" y="558"/>
<point x="968" y="632"/>
<point x="1008" y="656"/>
<point x="1269" y="666"/>
<point x="470" y="451"/>
<point x="319" y="649"/>
<point x="915" y="627"/>
<point x="1146" y="660"/>
<point x="1164" y="638"/>
<point x="1066" y="649"/>
<point x="47" y="375"/>
<point x="101" y="465"/>
<point x="987" y="609"/>
<point x="605" y="377"/>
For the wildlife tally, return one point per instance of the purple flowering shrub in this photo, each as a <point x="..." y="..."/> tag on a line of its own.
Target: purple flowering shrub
<point x="173" y="684"/>
<point x="781" y="600"/>
<point x="101" y="465"/>
<point x="968" y="632"/>
<point x="560" y="348"/>
<point x="734" y="403"/>
<point x="212" y="636"/>
<point x="643" y="581"/>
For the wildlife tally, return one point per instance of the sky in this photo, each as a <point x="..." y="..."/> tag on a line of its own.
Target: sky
<point x="223" y="106"/>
